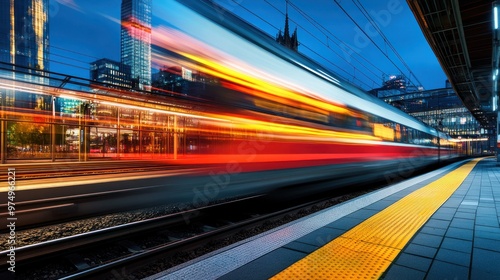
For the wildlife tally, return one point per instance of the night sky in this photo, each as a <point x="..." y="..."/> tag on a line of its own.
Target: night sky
<point x="82" y="31"/>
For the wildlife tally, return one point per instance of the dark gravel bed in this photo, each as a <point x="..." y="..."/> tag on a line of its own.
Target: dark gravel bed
<point x="49" y="271"/>
<point x="104" y="255"/>
<point x="37" y="235"/>
<point x="46" y="233"/>
<point x="151" y="241"/>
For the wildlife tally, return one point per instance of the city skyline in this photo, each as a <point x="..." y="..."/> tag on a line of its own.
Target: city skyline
<point x="104" y="31"/>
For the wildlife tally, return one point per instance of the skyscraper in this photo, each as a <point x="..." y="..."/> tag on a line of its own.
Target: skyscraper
<point x="24" y="34"/>
<point x="136" y="40"/>
<point x="24" y="42"/>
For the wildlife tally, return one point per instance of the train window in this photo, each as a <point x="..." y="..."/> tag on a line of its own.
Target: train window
<point x="410" y="132"/>
<point x="384" y="132"/>
<point x="404" y="134"/>
<point x="397" y="137"/>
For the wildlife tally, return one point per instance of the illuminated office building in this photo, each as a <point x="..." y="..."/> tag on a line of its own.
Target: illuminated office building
<point x="108" y="73"/>
<point x="24" y="36"/>
<point x="136" y="40"/>
<point x="442" y="109"/>
<point x="24" y="47"/>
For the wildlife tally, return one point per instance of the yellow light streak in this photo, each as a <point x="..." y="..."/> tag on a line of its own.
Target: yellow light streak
<point x="277" y="130"/>
<point x="39" y="24"/>
<point x="126" y="106"/>
<point x="17" y="87"/>
<point x="249" y="81"/>
<point x="239" y="124"/>
<point x="12" y="34"/>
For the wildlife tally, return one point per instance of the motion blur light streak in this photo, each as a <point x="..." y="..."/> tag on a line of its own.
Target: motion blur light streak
<point x="262" y="86"/>
<point x="249" y="53"/>
<point x="226" y="67"/>
<point x="15" y="86"/>
<point x="320" y="73"/>
<point x="228" y="94"/>
<point x="194" y="115"/>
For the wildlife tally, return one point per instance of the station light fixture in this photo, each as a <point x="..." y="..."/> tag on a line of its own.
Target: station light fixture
<point x="495" y="57"/>
<point x="495" y="15"/>
<point x="494" y="102"/>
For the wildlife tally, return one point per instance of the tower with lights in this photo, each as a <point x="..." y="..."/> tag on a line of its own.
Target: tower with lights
<point x="24" y="49"/>
<point x="24" y="34"/>
<point x="136" y="40"/>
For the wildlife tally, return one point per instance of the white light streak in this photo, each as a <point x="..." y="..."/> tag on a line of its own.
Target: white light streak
<point x="127" y="106"/>
<point x="495" y="16"/>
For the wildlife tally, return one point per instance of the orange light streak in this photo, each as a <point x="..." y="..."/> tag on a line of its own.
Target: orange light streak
<point x="224" y="72"/>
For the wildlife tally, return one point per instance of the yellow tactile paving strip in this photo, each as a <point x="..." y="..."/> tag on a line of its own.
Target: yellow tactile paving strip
<point x="367" y="250"/>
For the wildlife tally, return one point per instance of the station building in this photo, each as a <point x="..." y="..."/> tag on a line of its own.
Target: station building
<point x="440" y="108"/>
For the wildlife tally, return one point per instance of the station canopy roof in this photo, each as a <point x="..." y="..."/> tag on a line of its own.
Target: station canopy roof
<point x="460" y="32"/>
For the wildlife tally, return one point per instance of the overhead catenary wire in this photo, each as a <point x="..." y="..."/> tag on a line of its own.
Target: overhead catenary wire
<point x="323" y="43"/>
<point x="367" y="36"/>
<point x="360" y="6"/>
<point x="329" y="34"/>
<point x="63" y="59"/>
<point x="304" y="45"/>
<point x="326" y="45"/>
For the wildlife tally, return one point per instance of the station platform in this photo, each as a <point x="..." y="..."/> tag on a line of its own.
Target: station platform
<point x="440" y="225"/>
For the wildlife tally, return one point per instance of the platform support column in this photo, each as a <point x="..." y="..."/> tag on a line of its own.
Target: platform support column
<point x="167" y="142"/>
<point x="176" y="141"/>
<point x="118" y="134"/>
<point x="53" y="130"/>
<point x="140" y="134"/>
<point x="3" y="138"/>
<point x="497" y="140"/>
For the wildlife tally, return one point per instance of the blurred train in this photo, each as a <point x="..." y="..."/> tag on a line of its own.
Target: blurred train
<point x="283" y="110"/>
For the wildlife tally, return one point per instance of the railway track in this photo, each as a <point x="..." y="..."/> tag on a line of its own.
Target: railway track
<point x="119" y="251"/>
<point x="35" y="208"/>
<point x="71" y="169"/>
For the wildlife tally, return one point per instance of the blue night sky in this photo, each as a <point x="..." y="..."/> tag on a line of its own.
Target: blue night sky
<point x="82" y="31"/>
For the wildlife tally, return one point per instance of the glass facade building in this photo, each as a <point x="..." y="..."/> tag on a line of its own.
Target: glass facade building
<point x="109" y="73"/>
<point x="81" y="125"/>
<point x="24" y="47"/>
<point x="24" y="34"/>
<point x="442" y="109"/>
<point x="24" y="56"/>
<point x="136" y="40"/>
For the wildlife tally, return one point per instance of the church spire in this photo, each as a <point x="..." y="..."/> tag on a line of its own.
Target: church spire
<point x="287" y="29"/>
<point x="285" y="39"/>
